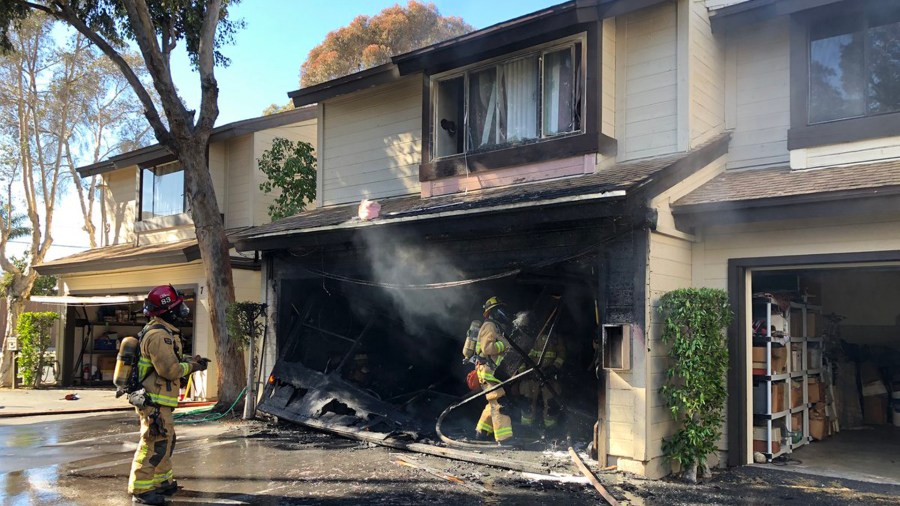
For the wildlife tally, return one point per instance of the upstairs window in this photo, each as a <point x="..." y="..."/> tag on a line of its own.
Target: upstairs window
<point x="162" y="191"/>
<point x="854" y="63"/>
<point x="527" y="98"/>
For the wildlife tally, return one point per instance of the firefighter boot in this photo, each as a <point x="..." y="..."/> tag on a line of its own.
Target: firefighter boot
<point x="151" y="497"/>
<point x="167" y="488"/>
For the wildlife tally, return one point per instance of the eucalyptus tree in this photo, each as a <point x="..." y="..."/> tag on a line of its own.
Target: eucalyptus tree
<point x="157" y="28"/>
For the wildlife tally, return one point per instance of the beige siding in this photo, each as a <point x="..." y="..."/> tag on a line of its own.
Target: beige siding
<point x="262" y="140"/>
<point x="669" y="268"/>
<point x="374" y="143"/>
<point x="120" y="199"/>
<point x="758" y="94"/>
<point x="217" y="169"/>
<point x="239" y="187"/>
<point x="707" y="78"/>
<point x="646" y="123"/>
<point x="608" y="91"/>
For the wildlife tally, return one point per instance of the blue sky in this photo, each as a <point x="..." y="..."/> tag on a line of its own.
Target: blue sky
<point x="267" y="54"/>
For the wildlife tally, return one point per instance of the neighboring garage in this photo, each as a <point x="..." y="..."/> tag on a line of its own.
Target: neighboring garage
<point x="826" y="375"/>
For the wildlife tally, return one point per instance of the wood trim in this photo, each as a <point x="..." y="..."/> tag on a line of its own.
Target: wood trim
<point x="591" y="141"/>
<point x="737" y="379"/>
<point x="802" y="134"/>
<point x="369" y="78"/>
<point x="866" y="203"/>
<point x="841" y="131"/>
<point x="539" y="151"/>
<point x="741" y="15"/>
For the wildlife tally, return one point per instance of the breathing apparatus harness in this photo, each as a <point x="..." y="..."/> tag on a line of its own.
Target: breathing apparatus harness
<point x="133" y="387"/>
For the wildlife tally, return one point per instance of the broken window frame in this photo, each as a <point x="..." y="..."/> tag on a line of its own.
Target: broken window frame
<point x="575" y="44"/>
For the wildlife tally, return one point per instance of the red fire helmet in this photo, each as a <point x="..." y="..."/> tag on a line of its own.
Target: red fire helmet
<point x="161" y="300"/>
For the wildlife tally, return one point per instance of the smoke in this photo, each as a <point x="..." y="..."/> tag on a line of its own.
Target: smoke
<point x="400" y="259"/>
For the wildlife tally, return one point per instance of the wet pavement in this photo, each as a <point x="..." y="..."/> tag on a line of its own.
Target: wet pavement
<point x="85" y="460"/>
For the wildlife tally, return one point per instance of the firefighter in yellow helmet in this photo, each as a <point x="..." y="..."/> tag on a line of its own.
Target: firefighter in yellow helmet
<point x="490" y="349"/>
<point x="540" y="398"/>
<point x="160" y="368"/>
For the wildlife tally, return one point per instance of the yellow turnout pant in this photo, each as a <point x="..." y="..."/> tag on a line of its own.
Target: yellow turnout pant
<point x="540" y="400"/>
<point x="152" y="465"/>
<point x="493" y="420"/>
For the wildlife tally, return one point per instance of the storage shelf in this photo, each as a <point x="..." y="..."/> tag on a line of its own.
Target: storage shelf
<point x="794" y="417"/>
<point x="771" y="416"/>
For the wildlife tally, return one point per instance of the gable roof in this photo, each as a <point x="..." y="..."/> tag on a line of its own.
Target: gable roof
<point x="641" y="177"/>
<point x="123" y="256"/>
<point x="160" y="154"/>
<point x="755" y="195"/>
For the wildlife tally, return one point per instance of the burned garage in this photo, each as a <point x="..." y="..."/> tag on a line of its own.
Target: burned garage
<point x="371" y="312"/>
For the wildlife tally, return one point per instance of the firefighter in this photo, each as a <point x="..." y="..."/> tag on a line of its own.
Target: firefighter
<point x="539" y="397"/>
<point x="490" y="350"/>
<point x="160" y="368"/>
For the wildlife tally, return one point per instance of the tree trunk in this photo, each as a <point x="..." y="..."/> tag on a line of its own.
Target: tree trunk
<point x="14" y="307"/>
<point x="214" y="248"/>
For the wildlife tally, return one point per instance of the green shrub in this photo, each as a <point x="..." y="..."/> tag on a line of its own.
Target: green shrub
<point x="33" y="331"/>
<point x="695" y="319"/>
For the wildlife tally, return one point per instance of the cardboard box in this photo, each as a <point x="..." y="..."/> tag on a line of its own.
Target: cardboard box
<point x="796" y="357"/>
<point x="796" y="394"/>
<point x="814" y="390"/>
<point x="107" y="375"/>
<point x="817" y="428"/>
<point x="875" y="409"/>
<point x="797" y="324"/>
<point x="106" y="362"/>
<point x="797" y="421"/>
<point x="779" y="359"/>
<point x="868" y="372"/>
<point x="759" y="355"/>
<point x="760" y="446"/>
<point x="759" y="397"/>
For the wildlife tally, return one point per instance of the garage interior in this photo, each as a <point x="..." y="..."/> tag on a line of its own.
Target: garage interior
<point x="825" y="373"/>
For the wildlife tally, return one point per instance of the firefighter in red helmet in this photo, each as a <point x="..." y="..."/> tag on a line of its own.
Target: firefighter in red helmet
<point x="160" y="368"/>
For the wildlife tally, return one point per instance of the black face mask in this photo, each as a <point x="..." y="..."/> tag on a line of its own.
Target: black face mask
<point x="500" y="317"/>
<point x="177" y="314"/>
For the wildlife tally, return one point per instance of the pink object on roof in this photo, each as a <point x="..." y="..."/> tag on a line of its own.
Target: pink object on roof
<point x="369" y="209"/>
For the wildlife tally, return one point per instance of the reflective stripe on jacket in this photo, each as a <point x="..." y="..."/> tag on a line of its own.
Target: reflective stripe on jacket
<point x="160" y="366"/>
<point x="492" y="347"/>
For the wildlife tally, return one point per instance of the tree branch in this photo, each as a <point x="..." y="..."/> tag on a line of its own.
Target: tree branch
<point x="209" y="109"/>
<point x="68" y="15"/>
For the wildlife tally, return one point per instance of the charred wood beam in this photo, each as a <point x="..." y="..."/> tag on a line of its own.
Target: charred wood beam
<point x="353" y="348"/>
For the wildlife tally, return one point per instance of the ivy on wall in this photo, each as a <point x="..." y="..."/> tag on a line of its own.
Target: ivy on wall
<point x="695" y="320"/>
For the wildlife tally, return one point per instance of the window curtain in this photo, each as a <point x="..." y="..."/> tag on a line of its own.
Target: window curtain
<point x="482" y="120"/>
<point x="519" y="92"/>
<point x="559" y="92"/>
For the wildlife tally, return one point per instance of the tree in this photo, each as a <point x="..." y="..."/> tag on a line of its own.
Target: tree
<point x="36" y="84"/>
<point x="56" y="99"/>
<point x="370" y="41"/>
<point x="291" y="168"/>
<point x="33" y="330"/>
<point x="157" y="28"/>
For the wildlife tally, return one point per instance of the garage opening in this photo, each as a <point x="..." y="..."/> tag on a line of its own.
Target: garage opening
<point x="825" y="370"/>
<point x="368" y="358"/>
